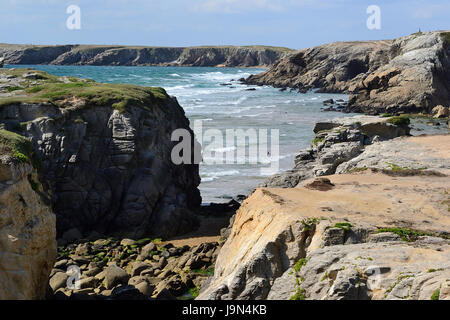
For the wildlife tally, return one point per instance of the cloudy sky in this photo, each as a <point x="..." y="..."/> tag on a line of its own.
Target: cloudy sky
<point x="290" y="23"/>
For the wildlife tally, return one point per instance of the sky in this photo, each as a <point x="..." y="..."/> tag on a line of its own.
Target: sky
<point x="290" y="23"/>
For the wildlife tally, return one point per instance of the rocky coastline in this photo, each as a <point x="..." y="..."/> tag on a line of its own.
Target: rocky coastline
<point x="225" y="56"/>
<point x="364" y="213"/>
<point x="349" y="235"/>
<point x="405" y="75"/>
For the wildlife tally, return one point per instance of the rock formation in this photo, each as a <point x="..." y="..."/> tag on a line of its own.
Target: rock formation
<point x="27" y="224"/>
<point x="106" y="153"/>
<point x="408" y="74"/>
<point x="337" y="142"/>
<point x="375" y="232"/>
<point x="2" y="60"/>
<point x="226" y="56"/>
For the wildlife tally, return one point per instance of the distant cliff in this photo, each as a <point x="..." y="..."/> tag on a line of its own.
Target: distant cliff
<point x="225" y="56"/>
<point x="408" y="74"/>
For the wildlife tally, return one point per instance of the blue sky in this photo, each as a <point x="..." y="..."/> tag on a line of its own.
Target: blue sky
<point x="290" y="23"/>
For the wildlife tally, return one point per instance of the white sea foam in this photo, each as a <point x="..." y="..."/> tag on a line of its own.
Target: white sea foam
<point x="211" y="176"/>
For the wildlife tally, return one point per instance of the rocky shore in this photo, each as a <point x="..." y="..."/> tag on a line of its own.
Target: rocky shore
<point x="378" y="228"/>
<point x="88" y="192"/>
<point x="225" y="56"/>
<point x="408" y="74"/>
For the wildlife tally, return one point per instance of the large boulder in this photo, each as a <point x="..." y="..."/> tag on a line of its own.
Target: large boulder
<point x="27" y="224"/>
<point x="106" y="154"/>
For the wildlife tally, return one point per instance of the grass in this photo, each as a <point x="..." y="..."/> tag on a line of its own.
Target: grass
<point x="18" y="147"/>
<point x="14" y="88"/>
<point x="405" y="234"/>
<point x="399" y="120"/>
<point x="56" y="92"/>
<point x="300" y="263"/>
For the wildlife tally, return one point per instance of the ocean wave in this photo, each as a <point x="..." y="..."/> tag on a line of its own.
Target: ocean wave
<point x="208" y="177"/>
<point x="254" y="115"/>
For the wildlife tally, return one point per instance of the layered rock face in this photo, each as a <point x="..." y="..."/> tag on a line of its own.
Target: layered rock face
<point x="407" y="74"/>
<point x="374" y="233"/>
<point x="337" y="142"/>
<point x="251" y="56"/>
<point x="106" y="153"/>
<point x="27" y="226"/>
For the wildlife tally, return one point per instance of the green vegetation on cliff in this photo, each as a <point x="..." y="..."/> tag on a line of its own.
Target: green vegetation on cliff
<point x="18" y="147"/>
<point x="46" y="88"/>
<point x="446" y="37"/>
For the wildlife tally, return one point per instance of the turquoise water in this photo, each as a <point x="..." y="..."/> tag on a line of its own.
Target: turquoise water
<point x="214" y="96"/>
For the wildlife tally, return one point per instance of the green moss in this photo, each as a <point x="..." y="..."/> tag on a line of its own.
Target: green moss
<point x="300" y="263"/>
<point x="143" y="242"/>
<point x="434" y="270"/>
<point x="204" y="272"/>
<point x="399" y="120"/>
<point x="405" y="234"/>
<point x="325" y="275"/>
<point x="386" y="115"/>
<point x="299" y="295"/>
<point x="194" y="292"/>
<point x="343" y="225"/>
<point x="435" y="295"/>
<point x="157" y="240"/>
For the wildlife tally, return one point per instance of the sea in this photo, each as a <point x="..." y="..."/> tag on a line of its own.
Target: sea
<point x="214" y="98"/>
